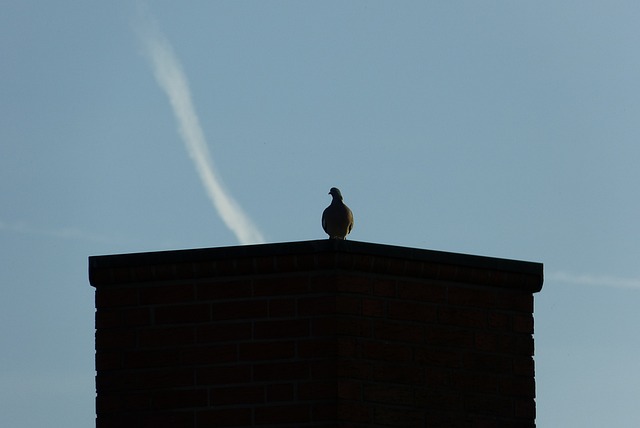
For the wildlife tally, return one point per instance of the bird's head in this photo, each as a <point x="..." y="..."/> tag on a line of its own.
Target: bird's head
<point x="335" y="192"/>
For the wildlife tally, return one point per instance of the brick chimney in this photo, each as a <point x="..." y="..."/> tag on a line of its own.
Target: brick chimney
<point x="314" y="334"/>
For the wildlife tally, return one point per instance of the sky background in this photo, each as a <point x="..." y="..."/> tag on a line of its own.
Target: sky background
<point x="497" y="128"/>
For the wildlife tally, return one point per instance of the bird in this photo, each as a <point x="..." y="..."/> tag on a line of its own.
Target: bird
<point x="337" y="218"/>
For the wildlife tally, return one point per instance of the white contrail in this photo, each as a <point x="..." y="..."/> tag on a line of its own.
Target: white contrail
<point x="173" y="81"/>
<point x="595" y="280"/>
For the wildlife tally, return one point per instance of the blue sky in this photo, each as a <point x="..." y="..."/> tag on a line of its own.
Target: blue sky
<point x="496" y="128"/>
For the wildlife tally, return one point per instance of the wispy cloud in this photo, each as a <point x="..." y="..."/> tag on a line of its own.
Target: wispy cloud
<point x="172" y="80"/>
<point x="594" y="280"/>
<point x="68" y="233"/>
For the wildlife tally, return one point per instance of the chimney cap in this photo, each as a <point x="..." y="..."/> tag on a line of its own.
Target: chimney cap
<point x="467" y="268"/>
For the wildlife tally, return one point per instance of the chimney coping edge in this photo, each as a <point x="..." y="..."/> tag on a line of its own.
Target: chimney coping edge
<point x="296" y="248"/>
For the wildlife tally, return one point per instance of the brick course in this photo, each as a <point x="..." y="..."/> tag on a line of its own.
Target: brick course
<point x="314" y="334"/>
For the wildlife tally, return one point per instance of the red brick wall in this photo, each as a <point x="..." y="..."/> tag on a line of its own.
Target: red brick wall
<point x="338" y="336"/>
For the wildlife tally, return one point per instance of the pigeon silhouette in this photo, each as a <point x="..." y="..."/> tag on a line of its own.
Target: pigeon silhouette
<point x="337" y="218"/>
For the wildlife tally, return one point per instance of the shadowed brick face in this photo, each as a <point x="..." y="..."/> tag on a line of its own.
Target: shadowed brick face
<point x="314" y="334"/>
